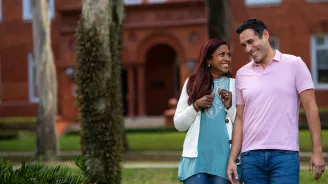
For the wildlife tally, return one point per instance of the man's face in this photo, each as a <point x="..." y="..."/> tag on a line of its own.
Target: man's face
<point x="256" y="47"/>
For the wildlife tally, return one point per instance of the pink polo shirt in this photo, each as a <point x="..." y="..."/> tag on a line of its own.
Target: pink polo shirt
<point x="271" y="99"/>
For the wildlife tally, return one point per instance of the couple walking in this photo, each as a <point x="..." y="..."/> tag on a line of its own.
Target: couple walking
<point x="246" y="129"/>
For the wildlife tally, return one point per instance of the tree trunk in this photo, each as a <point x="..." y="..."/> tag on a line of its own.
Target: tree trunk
<point x="99" y="79"/>
<point x="46" y="140"/>
<point x="219" y="19"/>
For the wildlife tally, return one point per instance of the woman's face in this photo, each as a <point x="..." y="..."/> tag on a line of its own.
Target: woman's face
<point x="221" y="59"/>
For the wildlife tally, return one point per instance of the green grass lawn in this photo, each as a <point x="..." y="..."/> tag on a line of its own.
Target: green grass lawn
<point x="137" y="141"/>
<point x="169" y="176"/>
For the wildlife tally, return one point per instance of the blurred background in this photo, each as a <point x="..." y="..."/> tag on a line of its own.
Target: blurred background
<point x="161" y="43"/>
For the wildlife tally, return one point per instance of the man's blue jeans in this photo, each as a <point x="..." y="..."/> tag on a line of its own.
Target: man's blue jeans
<point x="270" y="167"/>
<point x="203" y="178"/>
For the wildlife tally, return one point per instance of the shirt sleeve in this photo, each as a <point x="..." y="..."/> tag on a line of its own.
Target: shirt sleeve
<point x="303" y="77"/>
<point x="239" y="96"/>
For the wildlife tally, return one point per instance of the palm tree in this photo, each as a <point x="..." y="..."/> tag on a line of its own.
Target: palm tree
<point x="98" y="76"/>
<point x="46" y="140"/>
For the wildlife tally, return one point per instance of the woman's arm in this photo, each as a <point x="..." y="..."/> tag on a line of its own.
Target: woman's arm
<point x="185" y="114"/>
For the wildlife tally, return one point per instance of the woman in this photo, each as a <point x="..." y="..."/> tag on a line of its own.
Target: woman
<point x="206" y="109"/>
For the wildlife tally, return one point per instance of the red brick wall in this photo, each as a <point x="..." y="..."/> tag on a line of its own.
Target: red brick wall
<point x="292" y="22"/>
<point x="16" y="43"/>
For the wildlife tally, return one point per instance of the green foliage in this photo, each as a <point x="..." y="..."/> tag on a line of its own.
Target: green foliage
<point x="83" y="162"/>
<point x="168" y="141"/>
<point x="8" y="135"/>
<point x="134" y="130"/>
<point x="17" y="120"/>
<point x="37" y="173"/>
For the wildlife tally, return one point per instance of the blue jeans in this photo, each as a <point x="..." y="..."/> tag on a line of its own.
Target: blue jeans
<point x="203" y="178"/>
<point x="270" y="167"/>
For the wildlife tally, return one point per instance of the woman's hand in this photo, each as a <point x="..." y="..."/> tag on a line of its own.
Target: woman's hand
<point x="226" y="98"/>
<point x="205" y="101"/>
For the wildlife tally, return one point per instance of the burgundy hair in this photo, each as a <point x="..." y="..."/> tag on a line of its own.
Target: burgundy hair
<point x="200" y="82"/>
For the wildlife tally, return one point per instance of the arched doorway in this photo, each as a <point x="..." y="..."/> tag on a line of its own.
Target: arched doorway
<point x="161" y="78"/>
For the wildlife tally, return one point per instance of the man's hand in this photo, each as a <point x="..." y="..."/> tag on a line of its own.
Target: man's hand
<point x="232" y="171"/>
<point x="317" y="164"/>
<point x="311" y="110"/>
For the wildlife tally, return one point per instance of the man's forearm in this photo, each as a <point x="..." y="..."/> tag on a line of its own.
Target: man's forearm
<point x="237" y="135"/>
<point x="314" y="128"/>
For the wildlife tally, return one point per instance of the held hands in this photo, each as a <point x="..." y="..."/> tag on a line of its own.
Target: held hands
<point x="204" y="102"/>
<point x="226" y="98"/>
<point x="207" y="100"/>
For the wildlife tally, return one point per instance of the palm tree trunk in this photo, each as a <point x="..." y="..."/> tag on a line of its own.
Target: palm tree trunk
<point x="99" y="79"/>
<point x="219" y="19"/>
<point x="46" y="140"/>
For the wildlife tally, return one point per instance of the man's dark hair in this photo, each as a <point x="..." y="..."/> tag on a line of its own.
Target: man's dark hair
<point x="257" y="25"/>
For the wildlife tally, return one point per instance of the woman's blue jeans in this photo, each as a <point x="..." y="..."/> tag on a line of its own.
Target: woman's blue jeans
<point x="203" y="178"/>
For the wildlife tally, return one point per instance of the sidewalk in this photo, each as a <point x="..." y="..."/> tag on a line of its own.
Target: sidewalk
<point x="140" y="165"/>
<point x="145" y="156"/>
<point x="134" y="122"/>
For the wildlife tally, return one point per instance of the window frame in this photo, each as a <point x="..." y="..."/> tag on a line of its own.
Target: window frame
<point x="28" y="13"/>
<point x="316" y="1"/>
<point x="256" y="3"/>
<point x="314" y="47"/>
<point x="31" y="82"/>
<point x="133" y="2"/>
<point x="157" y="1"/>
<point x="0" y="10"/>
<point x="276" y="39"/>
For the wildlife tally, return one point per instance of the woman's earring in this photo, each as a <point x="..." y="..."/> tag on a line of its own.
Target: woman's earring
<point x="209" y="64"/>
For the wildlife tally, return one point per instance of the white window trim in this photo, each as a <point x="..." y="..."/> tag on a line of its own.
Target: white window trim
<point x="1" y="97"/>
<point x="258" y="3"/>
<point x="0" y="10"/>
<point x="132" y="2"/>
<point x="31" y="82"/>
<point x="28" y="14"/>
<point x="316" y="1"/>
<point x="157" y="1"/>
<point x="314" y="62"/>
<point x="276" y="39"/>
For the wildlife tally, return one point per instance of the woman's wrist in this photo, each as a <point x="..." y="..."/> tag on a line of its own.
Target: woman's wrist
<point x="195" y="107"/>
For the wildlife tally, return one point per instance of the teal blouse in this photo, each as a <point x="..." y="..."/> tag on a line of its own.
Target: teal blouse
<point x="213" y="142"/>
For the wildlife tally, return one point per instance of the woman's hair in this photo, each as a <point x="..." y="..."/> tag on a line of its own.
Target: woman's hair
<point x="200" y="82"/>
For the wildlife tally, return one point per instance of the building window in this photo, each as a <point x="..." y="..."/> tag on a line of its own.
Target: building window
<point x="316" y="1"/>
<point x="0" y="84"/>
<point x="319" y="57"/>
<point x="32" y="85"/>
<point x="0" y="10"/>
<point x="27" y="9"/>
<point x="156" y="1"/>
<point x="261" y="2"/>
<point x="130" y="2"/>
<point x="274" y="42"/>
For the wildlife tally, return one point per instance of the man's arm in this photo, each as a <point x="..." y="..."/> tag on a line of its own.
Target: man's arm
<point x="311" y="110"/>
<point x="237" y="138"/>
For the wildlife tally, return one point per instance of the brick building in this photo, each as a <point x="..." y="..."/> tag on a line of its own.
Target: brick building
<point x="162" y="39"/>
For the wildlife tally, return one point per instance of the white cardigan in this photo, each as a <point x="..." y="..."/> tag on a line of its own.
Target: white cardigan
<point x="186" y="118"/>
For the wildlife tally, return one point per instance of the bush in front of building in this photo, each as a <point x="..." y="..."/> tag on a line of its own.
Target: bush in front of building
<point x="8" y="135"/>
<point x="35" y="172"/>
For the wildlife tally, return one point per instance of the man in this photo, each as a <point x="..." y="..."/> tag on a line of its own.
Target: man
<point x="268" y="91"/>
